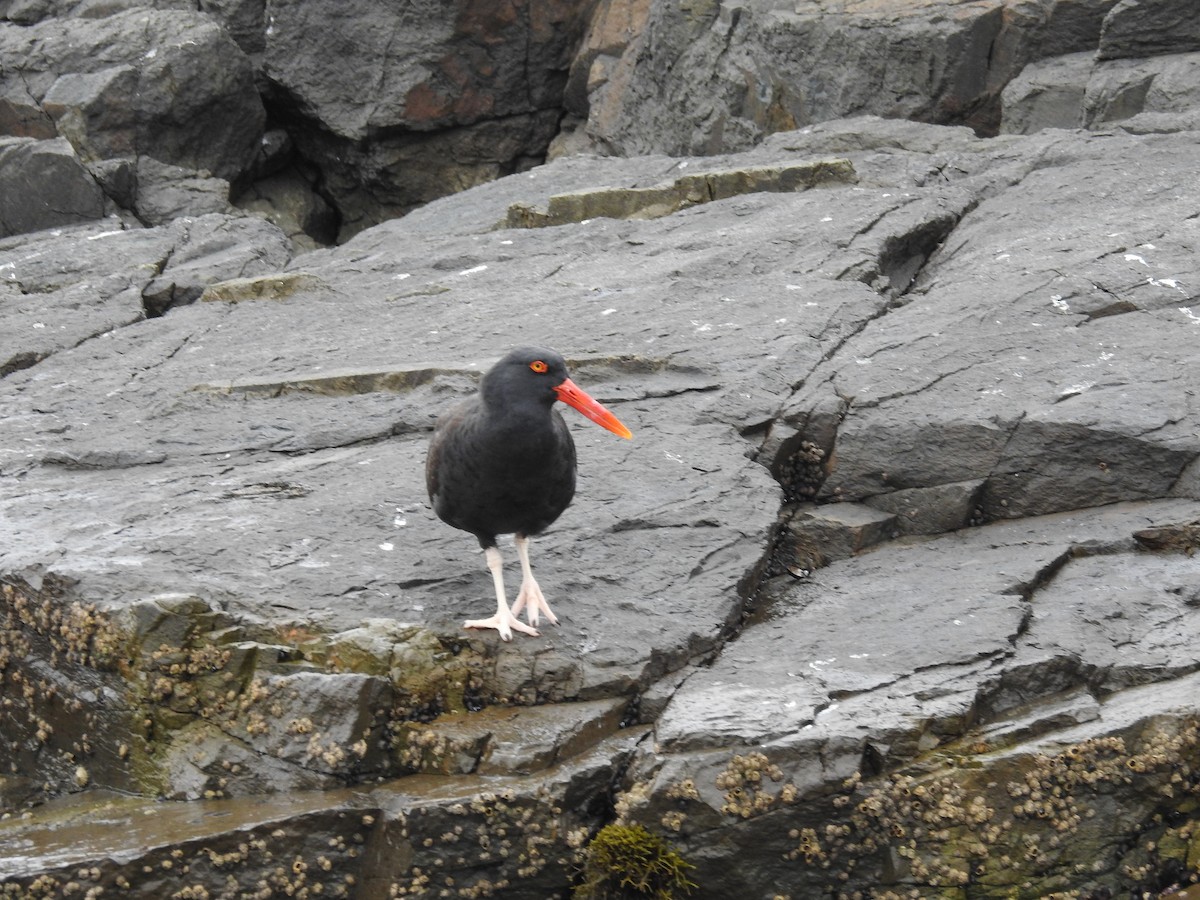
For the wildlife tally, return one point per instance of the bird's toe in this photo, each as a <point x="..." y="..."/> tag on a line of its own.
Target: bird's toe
<point x="504" y="625"/>
<point x="533" y="601"/>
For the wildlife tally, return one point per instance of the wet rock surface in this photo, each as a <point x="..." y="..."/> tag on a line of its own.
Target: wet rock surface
<point x="910" y="512"/>
<point x="894" y="593"/>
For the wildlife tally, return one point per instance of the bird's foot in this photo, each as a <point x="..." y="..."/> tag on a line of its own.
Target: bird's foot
<point x="531" y="596"/>
<point x="504" y="622"/>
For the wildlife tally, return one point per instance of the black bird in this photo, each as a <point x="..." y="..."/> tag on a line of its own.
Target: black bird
<point x="503" y="462"/>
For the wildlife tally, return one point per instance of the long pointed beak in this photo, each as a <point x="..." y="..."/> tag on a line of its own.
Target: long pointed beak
<point x="573" y="395"/>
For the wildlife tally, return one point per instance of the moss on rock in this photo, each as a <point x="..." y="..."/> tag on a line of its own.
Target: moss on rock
<point x="627" y="862"/>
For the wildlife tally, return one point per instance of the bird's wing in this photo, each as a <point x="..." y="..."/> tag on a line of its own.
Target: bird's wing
<point x="446" y="426"/>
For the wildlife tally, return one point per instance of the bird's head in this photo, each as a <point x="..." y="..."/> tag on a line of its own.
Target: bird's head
<point x="539" y="375"/>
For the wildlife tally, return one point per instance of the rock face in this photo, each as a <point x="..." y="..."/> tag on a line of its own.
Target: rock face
<point x="44" y="185"/>
<point x="747" y="70"/>
<point x="894" y="590"/>
<point x="329" y="117"/>
<point x="402" y="106"/>
<point x="894" y="593"/>
<point x="169" y="85"/>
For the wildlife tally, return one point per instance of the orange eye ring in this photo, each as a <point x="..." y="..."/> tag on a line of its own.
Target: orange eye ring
<point x="539" y="366"/>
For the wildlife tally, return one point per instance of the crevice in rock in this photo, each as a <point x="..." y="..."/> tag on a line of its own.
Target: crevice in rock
<point x="1118" y="307"/>
<point x="984" y="493"/>
<point x="800" y="462"/>
<point x="285" y="183"/>
<point x="941" y="376"/>
<point x="296" y="136"/>
<point x="1026" y="589"/>
<point x="22" y="360"/>
<point x="903" y="257"/>
<point x="640" y="524"/>
<point x="152" y="308"/>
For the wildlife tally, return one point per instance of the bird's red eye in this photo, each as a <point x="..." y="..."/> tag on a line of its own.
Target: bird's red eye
<point x="538" y="366"/>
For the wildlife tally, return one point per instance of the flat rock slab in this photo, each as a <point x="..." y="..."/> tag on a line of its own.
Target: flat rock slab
<point x="960" y="384"/>
<point x="912" y="641"/>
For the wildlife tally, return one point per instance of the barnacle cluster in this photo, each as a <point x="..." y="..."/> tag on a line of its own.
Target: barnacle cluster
<point x="421" y="748"/>
<point x="746" y="793"/>
<point x="77" y="633"/>
<point x="1044" y="831"/>
<point x="496" y="837"/>
<point x="934" y="826"/>
<point x="183" y="678"/>
<point x="45" y="725"/>
<point x="802" y="472"/>
<point x="193" y="680"/>
<point x="174" y="663"/>
<point x="44" y="887"/>
<point x="279" y="863"/>
<point x="682" y="792"/>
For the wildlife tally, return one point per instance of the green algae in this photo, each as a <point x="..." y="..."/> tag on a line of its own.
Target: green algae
<point x="627" y="862"/>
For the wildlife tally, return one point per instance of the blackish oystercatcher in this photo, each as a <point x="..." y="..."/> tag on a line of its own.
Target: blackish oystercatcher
<point x="503" y="462"/>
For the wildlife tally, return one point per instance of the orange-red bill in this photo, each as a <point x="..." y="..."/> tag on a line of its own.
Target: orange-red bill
<point x="573" y="395"/>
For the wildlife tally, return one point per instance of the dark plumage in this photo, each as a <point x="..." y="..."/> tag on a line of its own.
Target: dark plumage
<point x="503" y="462"/>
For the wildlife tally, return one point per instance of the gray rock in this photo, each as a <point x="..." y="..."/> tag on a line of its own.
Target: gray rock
<point x="1025" y="407"/>
<point x="964" y="380"/>
<point x="244" y="20"/>
<point x="94" y="111"/>
<point x="393" y="173"/>
<point x="1077" y="91"/>
<point x="55" y="304"/>
<point x="21" y="115"/>
<point x="421" y="77"/>
<point x="169" y="84"/>
<point x="408" y="108"/>
<point x="1138" y="28"/>
<point x="30" y="12"/>
<point x="816" y="695"/>
<point x="215" y="248"/>
<point x="512" y="741"/>
<point x="742" y="71"/>
<point x="157" y="193"/>
<point x="522" y="838"/>
<point x="85" y="282"/>
<point x="44" y="185"/>
<point x="1047" y="94"/>
<point x="1125" y="88"/>
<point x="773" y="67"/>
<point x="289" y="202"/>
<point x="165" y="193"/>
<point x="932" y="510"/>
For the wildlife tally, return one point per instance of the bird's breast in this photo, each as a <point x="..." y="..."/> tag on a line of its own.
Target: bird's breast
<point x="500" y="475"/>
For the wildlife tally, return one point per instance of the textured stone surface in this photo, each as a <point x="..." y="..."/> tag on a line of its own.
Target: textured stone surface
<point x="1077" y="90"/>
<point x="44" y="185"/>
<point x="746" y="70"/>
<point x="894" y="591"/>
<point x="375" y="111"/>
<point x="910" y="503"/>
<point x="409" y="104"/>
<point x="168" y="84"/>
<point x="1139" y="28"/>
<point x="473" y="833"/>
